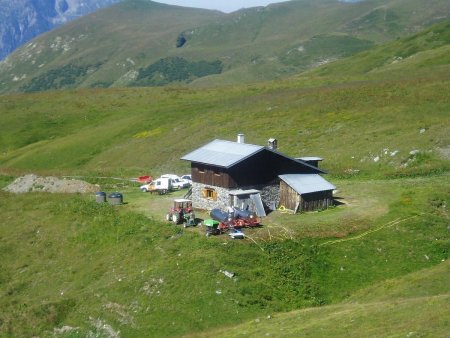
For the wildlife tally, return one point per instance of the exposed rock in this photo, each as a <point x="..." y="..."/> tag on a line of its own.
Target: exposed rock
<point x="103" y="329"/>
<point x="64" y="330"/>
<point x="444" y="152"/>
<point x="181" y="40"/>
<point x="227" y="273"/>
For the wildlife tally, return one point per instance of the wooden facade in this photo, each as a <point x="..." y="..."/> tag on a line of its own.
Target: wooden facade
<point x="211" y="175"/>
<point x="316" y="201"/>
<point x="292" y="200"/>
<point x="261" y="168"/>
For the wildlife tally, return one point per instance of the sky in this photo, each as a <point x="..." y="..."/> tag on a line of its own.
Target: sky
<point x="226" y="6"/>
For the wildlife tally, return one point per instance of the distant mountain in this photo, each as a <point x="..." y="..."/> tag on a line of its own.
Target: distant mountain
<point x="144" y="43"/>
<point x="22" y="20"/>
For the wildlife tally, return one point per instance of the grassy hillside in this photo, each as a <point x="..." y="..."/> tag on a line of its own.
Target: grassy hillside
<point x="404" y="117"/>
<point x="96" y="269"/>
<point x="374" y="129"/>
<point x="116" y="46"/>
<point x="376" y="264"/>
<point x="394" y="313"/>
<point x="410" y="57"/>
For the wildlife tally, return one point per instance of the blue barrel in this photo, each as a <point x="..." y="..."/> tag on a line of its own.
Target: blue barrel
<point x="244" y="214"/>
<point x="219" y="215"/>
<point x="100" y="197"/>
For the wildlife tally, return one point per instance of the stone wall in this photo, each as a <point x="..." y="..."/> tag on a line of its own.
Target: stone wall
<point x="199" y="202"/>
<point x="270" y="196"/>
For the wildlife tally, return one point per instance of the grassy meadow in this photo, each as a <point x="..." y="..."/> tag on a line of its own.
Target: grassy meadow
<point x="133" y="131"/>
<point x="374" y="265"/>
<point x="68" y="261"/>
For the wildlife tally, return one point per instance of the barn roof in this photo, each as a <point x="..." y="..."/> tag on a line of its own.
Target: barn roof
<point x="309" y="158"/>
<point x="222" y="153"/>
<point x="307" y="183"/>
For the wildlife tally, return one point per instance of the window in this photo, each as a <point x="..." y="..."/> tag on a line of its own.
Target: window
<point x="209" y="194"/>
<point x="201" y="170"/>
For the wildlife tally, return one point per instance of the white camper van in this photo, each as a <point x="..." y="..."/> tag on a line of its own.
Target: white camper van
<point x="161" y="185"/>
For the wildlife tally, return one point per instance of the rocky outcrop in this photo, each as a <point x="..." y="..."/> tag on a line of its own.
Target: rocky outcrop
<point x="181" y="40"/>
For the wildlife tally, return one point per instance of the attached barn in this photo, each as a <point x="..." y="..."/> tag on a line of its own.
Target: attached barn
<point x="305" y="192"/>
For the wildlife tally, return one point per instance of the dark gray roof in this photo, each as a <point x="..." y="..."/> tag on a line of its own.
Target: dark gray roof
<point x="307" y="183"/>
<point x="222" y="153"/>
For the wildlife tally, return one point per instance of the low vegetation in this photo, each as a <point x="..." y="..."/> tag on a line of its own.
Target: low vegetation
<point x="176" y="69"/>
<point x="68" y="76"/>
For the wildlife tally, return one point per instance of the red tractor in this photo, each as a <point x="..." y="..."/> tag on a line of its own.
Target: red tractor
<point x="181" y="212"/>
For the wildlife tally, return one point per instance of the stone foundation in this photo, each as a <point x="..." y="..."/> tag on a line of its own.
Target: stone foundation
<point x="200" y="202"/>
<point x="270" y="196"/>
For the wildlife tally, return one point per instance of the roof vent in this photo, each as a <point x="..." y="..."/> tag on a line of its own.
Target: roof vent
<point x="241" y="138"/>
<point x="272" y="143"/>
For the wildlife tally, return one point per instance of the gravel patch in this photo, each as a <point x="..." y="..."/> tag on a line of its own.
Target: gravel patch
<point x="34" y="183"/>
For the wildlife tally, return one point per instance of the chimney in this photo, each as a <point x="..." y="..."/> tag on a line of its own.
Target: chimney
<point x="272" y="143"/>
<point x="241" y="138"/>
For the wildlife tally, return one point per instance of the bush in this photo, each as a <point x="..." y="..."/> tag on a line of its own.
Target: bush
<point x="176" y="69"/>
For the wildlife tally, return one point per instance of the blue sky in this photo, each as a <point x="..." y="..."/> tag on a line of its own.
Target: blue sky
<point x="221" y="5"/>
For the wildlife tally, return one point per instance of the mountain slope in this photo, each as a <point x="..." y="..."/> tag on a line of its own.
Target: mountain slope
<point x="22" y="20"/>
<point x="141" y="128"/>
<point x="104" y="47"/>
<point x="403" y="57"/>
<point x="117" y="45"/>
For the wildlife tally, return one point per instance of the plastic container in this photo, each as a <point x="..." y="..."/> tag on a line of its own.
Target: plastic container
<point x="115" y="198"/>
<point x="100" y="197"/>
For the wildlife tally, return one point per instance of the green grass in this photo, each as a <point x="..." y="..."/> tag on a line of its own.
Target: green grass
<point x="80" y="262"/>
<point x="416" y="317"/>
<point x="133" y="131"/>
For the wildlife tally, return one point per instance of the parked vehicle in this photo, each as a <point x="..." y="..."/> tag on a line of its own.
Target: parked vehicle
<point x="181" y="212"/>
<point x="177" y="182"/>
<point x="212" y="227"/>
<point x="160" y="185"/>
<point x="188" y="178"/>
